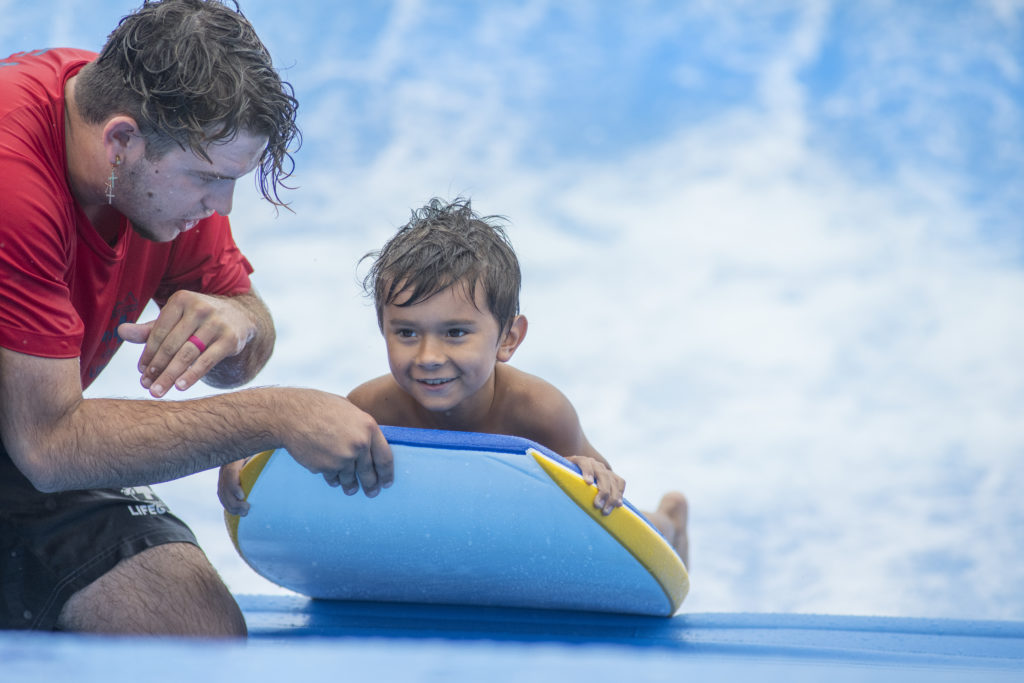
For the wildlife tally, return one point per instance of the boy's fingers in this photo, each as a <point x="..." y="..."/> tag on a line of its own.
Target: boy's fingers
<point x="586" y="466"/>
<point x="236" y="505"/>
<point x="240" y="508"/>
<point x="610" y="487"/>
<point x="229" y="488"/>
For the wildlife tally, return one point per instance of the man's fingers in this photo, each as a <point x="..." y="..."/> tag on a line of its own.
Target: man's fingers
<point x="367" y="474"/>
<point x="383" y="459"/>
<point x="196" y="363"/>
<point x="156" y="355"/>
<point x="375" y="465"/>
<point x="369" y="466"/>
<point x="190" y="326"/>
<point x="347" y="483"/>
<point x="346" y="477"/>
<point x="159" y="379"/>
<point x="185" y="367"/>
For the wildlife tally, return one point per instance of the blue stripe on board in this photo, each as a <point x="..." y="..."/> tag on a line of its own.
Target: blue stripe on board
<point x="477" y="441"/>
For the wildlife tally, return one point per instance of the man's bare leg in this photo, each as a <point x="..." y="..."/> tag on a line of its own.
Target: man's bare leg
<point x="170" y="589"/>
<point x="670" y="519"/>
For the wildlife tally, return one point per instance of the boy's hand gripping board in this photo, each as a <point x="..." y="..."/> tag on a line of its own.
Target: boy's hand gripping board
<point x="472" y="519"/>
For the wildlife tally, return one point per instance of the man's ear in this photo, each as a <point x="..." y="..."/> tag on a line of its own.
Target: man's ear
<point x="121" y="139"/>
<point x="512" y="339"/>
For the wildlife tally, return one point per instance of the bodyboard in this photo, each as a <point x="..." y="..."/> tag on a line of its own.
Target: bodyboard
<point x="472" y="519"/>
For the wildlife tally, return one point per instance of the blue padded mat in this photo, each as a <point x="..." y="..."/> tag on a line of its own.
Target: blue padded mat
<point x="295" y="638"/>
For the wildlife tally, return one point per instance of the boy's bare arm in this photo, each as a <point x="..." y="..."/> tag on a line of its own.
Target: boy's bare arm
<point x="545" y="415"/>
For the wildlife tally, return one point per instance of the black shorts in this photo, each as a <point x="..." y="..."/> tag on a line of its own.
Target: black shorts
<point x="54" y="544"/>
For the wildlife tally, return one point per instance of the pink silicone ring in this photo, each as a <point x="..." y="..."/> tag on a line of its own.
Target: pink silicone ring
<point x="198" y="342"/>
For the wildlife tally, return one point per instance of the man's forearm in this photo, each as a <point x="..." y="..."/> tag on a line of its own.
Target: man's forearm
<point x="111" y="443"/>
<point x="62" y="441"/>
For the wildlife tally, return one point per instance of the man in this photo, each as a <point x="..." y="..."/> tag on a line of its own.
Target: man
<point x="118" y="172"/>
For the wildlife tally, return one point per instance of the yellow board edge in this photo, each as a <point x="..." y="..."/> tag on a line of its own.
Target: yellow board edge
<point x="643" y="542"/>
<point x="250" y="473"/>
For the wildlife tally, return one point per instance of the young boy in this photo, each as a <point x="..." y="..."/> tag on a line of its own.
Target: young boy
<point x="446" y="289"/>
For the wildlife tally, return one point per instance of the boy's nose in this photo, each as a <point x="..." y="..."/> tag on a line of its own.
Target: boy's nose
<point x="428" y="353"/>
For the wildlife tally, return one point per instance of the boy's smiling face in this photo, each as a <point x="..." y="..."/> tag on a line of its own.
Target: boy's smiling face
<point x="442" y="351"/>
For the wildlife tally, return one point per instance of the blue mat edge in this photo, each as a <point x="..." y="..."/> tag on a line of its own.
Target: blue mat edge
<point x="321" y="641"/>
<point x="910" y="640"/>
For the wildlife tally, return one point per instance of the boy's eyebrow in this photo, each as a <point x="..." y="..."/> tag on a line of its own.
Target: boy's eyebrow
<point x="445" y="323"/>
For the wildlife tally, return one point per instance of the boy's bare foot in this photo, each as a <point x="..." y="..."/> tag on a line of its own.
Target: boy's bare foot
<point x="670" y="519"/>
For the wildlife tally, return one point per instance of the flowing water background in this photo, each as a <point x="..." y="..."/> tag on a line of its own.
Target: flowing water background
<point x="772" y="251"/>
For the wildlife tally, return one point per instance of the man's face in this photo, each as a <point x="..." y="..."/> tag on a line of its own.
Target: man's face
<point x="166" y="197"/>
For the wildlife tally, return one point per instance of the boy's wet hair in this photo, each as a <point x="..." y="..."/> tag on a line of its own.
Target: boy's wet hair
<point x="446" y="244"/>
<point x="192" y="73"/>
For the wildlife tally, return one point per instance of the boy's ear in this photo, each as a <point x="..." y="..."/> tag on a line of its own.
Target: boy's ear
<point x="512" y="339"/>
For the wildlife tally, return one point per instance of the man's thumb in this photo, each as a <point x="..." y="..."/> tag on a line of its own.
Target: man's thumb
<point x="134" y="332"/>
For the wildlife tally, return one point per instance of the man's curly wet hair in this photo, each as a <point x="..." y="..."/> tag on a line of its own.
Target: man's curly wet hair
<point x="442" y="245"/>
<point x="192" y="73"/>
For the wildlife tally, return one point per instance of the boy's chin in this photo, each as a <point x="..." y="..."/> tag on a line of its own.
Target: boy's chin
<point x="438" y="407"/>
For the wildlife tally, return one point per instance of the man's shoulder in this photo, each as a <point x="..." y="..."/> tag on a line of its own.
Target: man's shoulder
<point x="47" y="68"/>
<point x="49" y="56"/>
<point x="32" y="115"/>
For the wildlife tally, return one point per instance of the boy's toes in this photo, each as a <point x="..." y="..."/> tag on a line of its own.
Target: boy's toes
<point x="676" y="509"/>
<point x="674" y="506"/>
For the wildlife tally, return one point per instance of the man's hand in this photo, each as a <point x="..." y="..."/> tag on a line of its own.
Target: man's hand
<point x="610" y="486"/>
<point x="191" y="335"/>
<point x="346" y="447"/>
<point x="341" y="442"/>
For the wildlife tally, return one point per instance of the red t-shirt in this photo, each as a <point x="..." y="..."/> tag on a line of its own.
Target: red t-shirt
<point x="63" y="289"/>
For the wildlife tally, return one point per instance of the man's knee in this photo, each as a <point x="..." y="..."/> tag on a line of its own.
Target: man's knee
<point x="170" y="589"/>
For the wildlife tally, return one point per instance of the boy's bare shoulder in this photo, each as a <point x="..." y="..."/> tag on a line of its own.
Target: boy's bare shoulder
<point x="370" y="390"/>
<point x="534" y="408"/>
<point x="383" y="399"/>
<point x="518" y="385"/>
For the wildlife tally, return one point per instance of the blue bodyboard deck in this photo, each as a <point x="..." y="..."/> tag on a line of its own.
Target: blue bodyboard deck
<point x="472" y="519"/>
